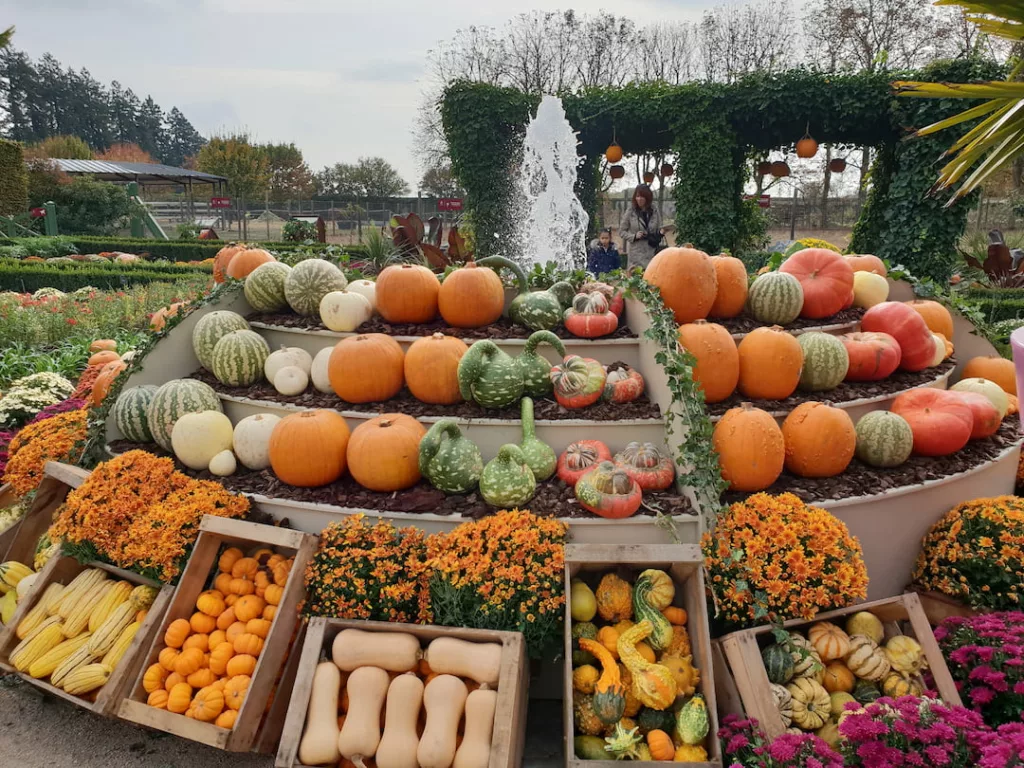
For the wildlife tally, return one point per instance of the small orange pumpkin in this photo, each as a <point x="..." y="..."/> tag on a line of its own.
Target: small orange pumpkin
<point x="383" y="453"/>
<point x="167" y="657"/>
<point x="676" y="616"/>
<point x="179" y="698"/>
<point x="261" y="555"/>
<point x="222" y="581"/>
<point x="236" y="629"/>
<point x="242" y="264"/>
<point x="211" y="603"/>
<point x="241" y="587"/>
<point x="188" y="661"/>
<point x="231" y="600"/>
<point x="407" y="293"/>
<point x="248" y="643"/>
<point x="208" y="703"/>
<point x="226" y="719"/>
<point x="244" y="568"/>
<point x="235" y="690"/>
<point x="432" y="368"/>
<point x="202" y="623"/>
<point x="158" y="698"/>
<point x="270" y="612"/>
<point x="201" y="678"/>
<point x="226" y="618"/>
<point x="240" y="664"/>
<point x="222" y="653"/>
<point x="259" y="627"/>
<point x="154" y="678"/>
<point x="177" y="632"/>
<point x="228" y="558"/>
<point x="281" y="573"/>
<point x="200" y="641"/>
<point x="217" y="637"/>
<point x="223" y="259"/>
<point x="248" y="608"/>
<point x="274" y="594"/>
<point x="172" y="680"/>
<point x="159" y="319"/>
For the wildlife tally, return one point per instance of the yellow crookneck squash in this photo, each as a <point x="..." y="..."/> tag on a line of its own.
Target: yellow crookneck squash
<point x="653" y="684"/>
<point x="609" y="694"/>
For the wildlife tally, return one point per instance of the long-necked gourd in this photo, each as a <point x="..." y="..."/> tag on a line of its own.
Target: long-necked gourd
<point x="537" y="310"/>
<point x="475" y="750"/>
<point x="536" y="368"/>
<point x="477" y="661"/>
<point x="444" y="699"/>
<point x="397" y="748"/>
<point x="319" y="745"/>
<point x="489" y="376"/>
<point x="539" y="456"/>
<point x="393" y="651"/>
<point x="367" y="687"/>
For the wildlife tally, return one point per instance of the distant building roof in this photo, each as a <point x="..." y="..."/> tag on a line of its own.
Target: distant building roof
<point x="152" y="173"/>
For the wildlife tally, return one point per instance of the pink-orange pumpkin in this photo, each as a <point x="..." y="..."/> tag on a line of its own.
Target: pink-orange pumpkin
<point x="873" y="356"/>
<point x="825" y="276"/>
<point x="917" y="348"/>
<point x="986" y="415"/>
<point x="866" y="262"/>
<point x="940" y="420"/>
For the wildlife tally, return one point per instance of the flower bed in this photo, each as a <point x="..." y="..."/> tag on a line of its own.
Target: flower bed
<point x="56" y="437"/>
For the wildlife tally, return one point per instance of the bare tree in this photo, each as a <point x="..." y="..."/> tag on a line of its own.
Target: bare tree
<point x="736" y="40"/>
<point x="666" y="52"/>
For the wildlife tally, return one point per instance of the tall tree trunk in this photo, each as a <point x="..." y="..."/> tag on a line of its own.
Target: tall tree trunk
<point x="826" y="186"/>
<point x="865" y="167"/>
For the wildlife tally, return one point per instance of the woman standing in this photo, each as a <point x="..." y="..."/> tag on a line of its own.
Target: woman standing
<point x="640" y="228"/>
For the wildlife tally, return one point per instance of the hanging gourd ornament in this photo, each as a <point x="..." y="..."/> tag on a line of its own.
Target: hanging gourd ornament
<point x="614" y="153"/>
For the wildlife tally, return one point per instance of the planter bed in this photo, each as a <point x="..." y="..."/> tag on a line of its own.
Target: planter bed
<point x="544" y="409"/>
<point x="744" y="324"/>
<point x="861" y="480"/>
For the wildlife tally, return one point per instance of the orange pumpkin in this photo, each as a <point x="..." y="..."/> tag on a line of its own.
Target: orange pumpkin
<point x="211" y="603"/>
<point x="751" y="449"/>
<point x="383" y="454"/>
<point x="270" y="612"/>
<point x="208" y="703"/>
<point x="176" y="633"/>
<point x="103" y="357"/>
<point x="308" y="449"/>
<point x="281" y="572"/>
<point x="236" y="629"/>
<point x="261" y="555"/>
<point x="248" y="644"/>
<point x="167" y="657"/>
<point x="161" y="316"/>
<point x="201" y="678"/>
<point x="222" y="581"/>
<point x="223" y="259"/>
<point x="407" y="293"/>
<point x="235" y="690"/>
<point x="274" y="594"/>
<point x="866" y="262"/>
<point x="245" y="261"/>
<point x="202" y="624"/>
<point x="226" y="719"/>
<point x="188" y="661"/>
<point x="675" y="615"/>
<point x="172" y="680"/>
<point x="731" y="294"/>
<point x="838" y="677"/>
<point x="217" y="637"/>
<point x="199" y="640"/>
<point x="248" y="608"/>
<point x="220" y="656"/>
<point x="103" y="345"/>
<point x="770" y="364"/>
<point x="718" y="361"/>
<point x="470" y="297"/>
<point x="820" y="440"/>
<point x="936" y="316"/>
<point x="245" y="568"/>
<point x="228" y="558"/>
<point x="154" y="678"/>
<point x="241" y="664"/>
<point x="226" y="618"/>
<point x="231" y="599"/>
<point x="687" y="281"/>
<point x="158" y="698"/>
<point x="432" y="368"/>
<point x="825" y="276"/>
<point x="259" y="627"/>
<point x="108" y="373"/>
<point x="998" y="370"/>
<point x="179" y="698"/>
<point x="367" y="368"/>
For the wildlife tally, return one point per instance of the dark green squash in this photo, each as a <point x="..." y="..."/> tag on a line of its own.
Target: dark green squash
<point x="656" y="720"/>
<point x="536" y="368"/>
<point x="588" y="630"/>
<point x="778" y="663"/>
<point x="539" y="310"/>
<point x="866" y="692"/>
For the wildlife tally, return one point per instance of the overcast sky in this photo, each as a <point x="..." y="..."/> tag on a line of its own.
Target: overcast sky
<point x="341" y="79"/>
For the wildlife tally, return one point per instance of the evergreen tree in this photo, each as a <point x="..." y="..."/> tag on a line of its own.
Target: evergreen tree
<point x="183" y="140"/>
<point x="152" y="135"/>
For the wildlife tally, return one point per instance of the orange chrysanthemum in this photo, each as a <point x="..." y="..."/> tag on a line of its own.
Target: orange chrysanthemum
<point x="58" y="438"/>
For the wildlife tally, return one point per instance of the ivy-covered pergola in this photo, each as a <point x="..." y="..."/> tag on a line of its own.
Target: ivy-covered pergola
<point x="712" y="129"/>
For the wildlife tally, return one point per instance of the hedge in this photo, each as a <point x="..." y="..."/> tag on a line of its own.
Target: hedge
<point x="28" y="278"/>
<point x="13" y="179"/>
<point x="183" y="250"/>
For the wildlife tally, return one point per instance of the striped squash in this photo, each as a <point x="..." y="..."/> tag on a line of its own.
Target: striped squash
<point x="238" y="358"/>
<point x="884" y="439"/>
<point x="264" y="287"/>
<point x="172" y="401"/>
<point x="825" y="362"/>
<point x="130" y="414"/>
<point x="776" y="297"/>
<point x="212" y="328"/>
<point x="308" y="282"/>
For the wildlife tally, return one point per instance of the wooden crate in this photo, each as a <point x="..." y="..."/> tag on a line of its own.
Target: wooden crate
<point x="509" y="732"/>
<point x="902" y="614"/>
<point x="19" y="541"/>
<point x="683" y="562"/>
<point x="62" y="570"/>
<point x="215" y="532"/>
<point x="939" y="607"/>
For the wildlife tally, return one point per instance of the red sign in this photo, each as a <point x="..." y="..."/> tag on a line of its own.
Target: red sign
<point x="449" y="203"/>
<point x="764" y="201"/>
<point x="220" y="202"/>
<point x="37" y="213"/>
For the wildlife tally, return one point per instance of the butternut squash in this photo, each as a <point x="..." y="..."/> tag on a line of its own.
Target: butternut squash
<point x="398" y="745"/>
<point x="367" y="687"/>
<point x="475" y="750"/>
<point x="443" y="699"/>
<point x="319" y="745"/>
<point x="477" y="661"/>
<point x="393" y="651"/>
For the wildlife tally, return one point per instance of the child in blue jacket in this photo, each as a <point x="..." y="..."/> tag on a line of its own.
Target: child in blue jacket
<point x="603" y="256"/>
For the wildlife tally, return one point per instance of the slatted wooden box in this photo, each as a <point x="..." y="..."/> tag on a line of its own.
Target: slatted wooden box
<point x="902" y="614"/>
<point x="19" y="541"/>
<point x="509" y="733"/>
<point x="683" y="562"/>
<point x="215" y="533"/>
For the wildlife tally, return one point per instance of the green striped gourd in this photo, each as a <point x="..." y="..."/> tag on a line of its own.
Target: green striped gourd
<point x="537" y="310"/>
<point x="825" y="362"/>
<point x="489" y="377"/>
<point x="449" y="460"/>
<point x="212" y="328"/>
<point x="776" y="298"/>
<point x="778" y="663"/>
<point x="536" y="368"/>
<point x="130" y="413"/>
<point x="643" y="608"/>
<point x="264" y="287"/>
<point x="172" y="401"/>
<point x="507" y="481"/>
<point x="884" y="439"/>
<point x="238" y="358"/>
<point x="539" y="455"/>
<point x="308" y="282"/>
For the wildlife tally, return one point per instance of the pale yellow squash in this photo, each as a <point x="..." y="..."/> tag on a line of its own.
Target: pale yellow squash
<point x="367" y="687"/>
<point x="475" y="750"/>
<point x="444" y="700"/>
<point x="477" y="661"/>
<point x="393" y="651"/>
<point x="319" y="745"/>
<point x="398" y="745"/>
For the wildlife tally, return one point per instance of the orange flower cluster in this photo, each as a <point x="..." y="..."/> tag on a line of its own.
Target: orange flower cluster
<point x="775" y="558"/>
<point x="58" y="438"/>
<point x="975" y="554"/>
<point x="83" y="389"/>
<point x="139" y="513"/>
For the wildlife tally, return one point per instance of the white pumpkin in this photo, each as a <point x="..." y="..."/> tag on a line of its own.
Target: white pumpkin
<point x="198" y="437"/>
<point x="366" y="288"/>
<point x="252" y="440"/>
<point x="223" y="464"/>
<point x="989" y="389"/>
<point x="25" y="585"/>
<point x="319" y="374"/>
<point x="940" y="348"/>
<point x="869" y="289"/>
<point x="284" y="357"/>
<point x="344" y="311"/>
<point x="128" y="356"/>
<point x="291" y="380"/>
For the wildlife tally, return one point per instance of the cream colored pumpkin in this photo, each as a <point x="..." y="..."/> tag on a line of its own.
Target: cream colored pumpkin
<point x="989" y="389"/>
<point x="344" y="311"/>
<point x="812" y="706"/>
<point x="319" y="373"/>
<point x="783" y="702"/>
<point x="367" y="289"/>
<point x="867" y="624"/>
<point x="252" y="440"/>
<point x="198" y="437"/>
<point x="286" y="356"/>
<point x="905" y="655"/>
<point x="291" y="380"/>
<point x="940" y="350"/>
<point x="223" y="464"/>
<point x="826" y="638"/>
<point x="869" y="289"/>
<point x="866" y="660"/>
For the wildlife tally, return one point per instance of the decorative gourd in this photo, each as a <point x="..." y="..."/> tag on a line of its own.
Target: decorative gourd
<point x="319" y="372"/>
<point x="244" y="262"/>
<point x="750" y="446"/>
<point x="633" y="704"/>
<point x="579" y="458"/>
<point x="692" y="721"/>
<point x="383" y="453"/>
<point x="732" y="280"/>
<point x="432" y="369"/>
<point x="717" y="367"/>
<point x="867" y="624"/>
<point x="239" y="357"/>
<point x="344" y="311"/>
<point x="649" y="593"/>
<point x="616" y="299"/>
<point x="869" y="289"/>
<point x="940" y="420"/>
<point x="251" y="440"/>
<point x="866" y="660"/>
<point x="609" y="492"/>
<point x="368" y="368"/>
<point x="826" y="361"/>
<point x="690" y="753"/>
<point x="582" y="602"/>
<point x="589" y="316"/>
<point x="686" y="675"/>
<point x="839" y="701"/>
<point x="407" y="293"/>
<point x="614" y="599"/>
<point x="660" y="744"/>
<point x="537" y="310"/>
<point x="838" y="678"/>
<point x="866" y="262"/>
<point x="826" y="279"/>
<point x="444" y="700"/>
<point x="488" y="376"/>
<point x="770" y="364"/>
<point x="367" y="688"/>
<point x="995" y="369"/>
<point x="776" y="298"/>
<point x="223" y="464"/>
<point x="676" y="616"/>
<point x="811" y="703"/>
<point x="884" y="439"/>
<point x="989" y="389"/>
<point x="905" y="655"/>
<point x="609" y="695"/>
<point x="583" y="716"/>
<point x="622" y="384"/>
<point x="397" y="748"/>
<point x="308" y="449"/>
<point x="584" y="678"/>
<point x="806" y="661"/>
<point x="534" y="367"/>
<point x="935" y="315"/>
<point x="778" y="663"/>
<point x="625" y="743"/>
<point x="653" y="684"/>
<point x="290" y="381"/>
<point x="820" y="440"/>
<point x="872" y="356"/>
<point x="582" y="629"/>
<point x="578" y="381"/>
<point x="475" y="749"/>
<point x="645" y="464"/>
<point x="907" y="327"/>
<point x="986" y="416"/>
<point x="654" y="719"/>
<point x="319" y="744"/>
<point x="130" y="413"/>
<point x="264" y="287"/>
<point x="895" y="685"/>
<point x="449" y="460"/>
<point x="539" y="456"/>
<point x="828" y="640"/>
<point x="507" y="480"/>
<point x="471" y="297"/>
<point x="864" y="692"/>
<point x="365" y="288"/>
<point x="687" y="280"/>
<point x="198" y="437"/>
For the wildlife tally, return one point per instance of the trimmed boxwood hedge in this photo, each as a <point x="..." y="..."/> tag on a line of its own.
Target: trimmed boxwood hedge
<point x="13" y="179"/>
<point x="183" y="250"/>
<point x="30" y="276"/>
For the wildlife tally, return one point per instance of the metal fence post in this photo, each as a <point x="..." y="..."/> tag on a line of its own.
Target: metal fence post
<point x="50" y="220"/>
